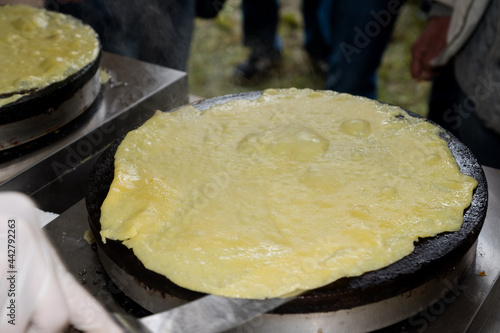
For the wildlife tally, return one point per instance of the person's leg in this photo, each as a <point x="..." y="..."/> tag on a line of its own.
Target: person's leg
<point x="359" y="33"/>
<point x="166" y="30"/>
<point x="260" y="24"/>
<point x="315" y="41"/>
<point x="483" y="142"/>
<point x="444" y="96"/>
<point x="452" y="109"/>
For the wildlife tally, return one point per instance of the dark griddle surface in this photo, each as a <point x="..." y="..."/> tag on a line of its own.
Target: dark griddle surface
<point x="431" y="258"/>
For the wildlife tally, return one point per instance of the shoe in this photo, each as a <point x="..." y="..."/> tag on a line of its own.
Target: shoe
<point x="319" y="66"/>
<point x="257" y="65"/>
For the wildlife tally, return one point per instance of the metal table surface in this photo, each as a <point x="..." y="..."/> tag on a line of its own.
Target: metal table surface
<point x="473" y="306"/>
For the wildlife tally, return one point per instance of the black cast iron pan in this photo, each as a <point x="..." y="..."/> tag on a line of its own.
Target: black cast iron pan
<point x="432" y="256"/>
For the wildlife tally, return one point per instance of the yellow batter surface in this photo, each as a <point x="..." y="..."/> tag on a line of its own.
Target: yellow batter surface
<point x="290" y="192"/>
<point x="40" y="47"/>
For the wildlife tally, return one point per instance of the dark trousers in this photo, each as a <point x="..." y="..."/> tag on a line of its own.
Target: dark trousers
<point x="450" y="108"/>
<point x="350" y="36"/>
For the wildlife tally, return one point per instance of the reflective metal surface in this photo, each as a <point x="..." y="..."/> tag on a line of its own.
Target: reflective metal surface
<point x="211" y="314"/>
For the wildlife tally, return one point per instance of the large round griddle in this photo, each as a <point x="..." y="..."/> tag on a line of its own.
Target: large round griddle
<point x="433" y="258"/>
<point x="45" y="110"/>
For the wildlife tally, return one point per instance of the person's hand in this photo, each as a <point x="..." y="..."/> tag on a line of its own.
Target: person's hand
<point x="37" y="293"/>
<point x="428" y="46"/>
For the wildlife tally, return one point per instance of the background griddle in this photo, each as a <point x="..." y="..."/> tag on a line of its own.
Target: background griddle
<point x="39" y="101"/>
<point x="46" y="106"/>
<point x="432" y="257"/>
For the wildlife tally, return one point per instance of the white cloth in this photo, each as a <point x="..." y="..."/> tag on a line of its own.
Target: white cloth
<point x="465" y="17"/>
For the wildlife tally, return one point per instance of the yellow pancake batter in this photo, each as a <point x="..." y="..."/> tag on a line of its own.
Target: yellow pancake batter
<point x="290" y="192"/>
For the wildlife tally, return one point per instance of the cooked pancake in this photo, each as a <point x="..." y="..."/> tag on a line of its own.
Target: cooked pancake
<point x="39" y="48"/>
<point x="287" y="193"/>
